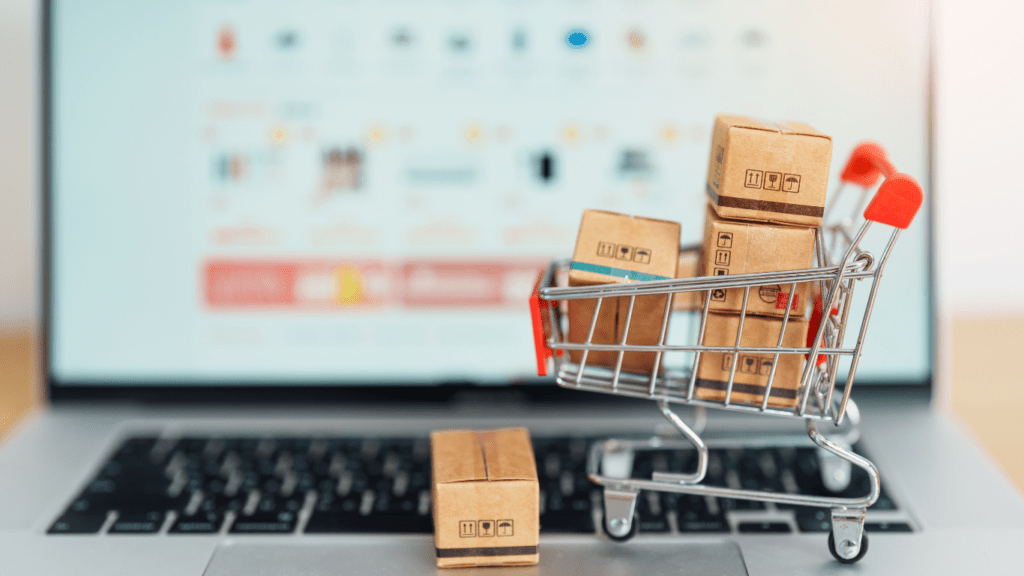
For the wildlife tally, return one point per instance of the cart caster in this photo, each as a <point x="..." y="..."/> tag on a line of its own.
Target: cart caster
<point x="621" y="521"/>
<point x="860" y="553"/>
<point x="617" y="525"/>
<point x="847" y="540"/>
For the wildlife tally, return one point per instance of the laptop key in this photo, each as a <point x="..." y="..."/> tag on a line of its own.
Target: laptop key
<point x="138" y="523"/>
<point x="199" y="523"/>
<point x="700" y="514"/>
<point x="653" y="517"/>
<point x="265" y="523"/>
<point x="78" y="524"/>
<point x="705" y="524"/>
<point x="764" y="528"/>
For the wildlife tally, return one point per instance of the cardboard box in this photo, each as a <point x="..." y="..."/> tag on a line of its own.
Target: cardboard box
<point x="616" y="248"/>
<point x="752" y="370"/>
<point x="768" y="172"/>
<point x="486" y="498"/>
<point x="688" y="266"/>
<point x="734" y="247"/>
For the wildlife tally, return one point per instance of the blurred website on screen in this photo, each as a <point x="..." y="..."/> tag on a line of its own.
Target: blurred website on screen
<point x="335" y="191"/>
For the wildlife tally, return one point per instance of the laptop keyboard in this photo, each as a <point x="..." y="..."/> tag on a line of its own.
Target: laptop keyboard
<point x="321" y="485"/>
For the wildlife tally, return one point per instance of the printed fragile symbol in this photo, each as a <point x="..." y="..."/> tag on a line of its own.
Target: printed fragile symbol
<point x="486" y="528"/>
<point x="748" y="364"/>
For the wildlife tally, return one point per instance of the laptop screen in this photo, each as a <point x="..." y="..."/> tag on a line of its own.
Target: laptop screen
<point x="363" y="192"/>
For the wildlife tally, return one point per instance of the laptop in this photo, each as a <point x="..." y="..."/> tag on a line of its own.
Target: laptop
<point x="284" y="241"/>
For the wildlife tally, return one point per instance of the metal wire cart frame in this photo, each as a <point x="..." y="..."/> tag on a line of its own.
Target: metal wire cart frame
<point x="840" y="265"/>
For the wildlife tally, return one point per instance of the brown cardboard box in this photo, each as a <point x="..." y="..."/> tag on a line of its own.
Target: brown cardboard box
<point x="688" y="266"/>
<point x="486" y="498"/>
<point x="768" y="172"/>
<point x="752" y="370"/>
<point x="614" y="248"/>
<point x="734" y="247"/>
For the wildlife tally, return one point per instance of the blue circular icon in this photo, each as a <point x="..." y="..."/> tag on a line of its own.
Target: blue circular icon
<point x="577" y="38"/>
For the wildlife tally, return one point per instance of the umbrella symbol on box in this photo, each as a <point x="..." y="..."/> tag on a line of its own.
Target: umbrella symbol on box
<point x="504" y="527"/>
<point x="791" y="183"/>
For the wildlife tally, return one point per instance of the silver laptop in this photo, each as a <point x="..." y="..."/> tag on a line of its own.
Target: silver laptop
<point x="286" y="240"/>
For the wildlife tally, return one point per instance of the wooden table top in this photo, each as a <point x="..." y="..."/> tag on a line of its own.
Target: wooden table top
<point x="17" y="378"/>
<point x="988" y="388"/>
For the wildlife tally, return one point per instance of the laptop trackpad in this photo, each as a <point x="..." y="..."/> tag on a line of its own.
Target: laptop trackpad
<point x="416" y="556"/>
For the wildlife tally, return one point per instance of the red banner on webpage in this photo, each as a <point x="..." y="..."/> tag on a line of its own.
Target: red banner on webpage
<point x="345" y="283"/>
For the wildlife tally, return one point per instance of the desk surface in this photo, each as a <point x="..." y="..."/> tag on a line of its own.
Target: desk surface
<point x="17" y="363"/>
<point x="988" y="393"/>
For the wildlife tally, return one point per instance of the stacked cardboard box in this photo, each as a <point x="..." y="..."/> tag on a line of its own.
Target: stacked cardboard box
<point x="615" y="248"/>
<point x="766" y="194"/>
<point x="688" y="267"/>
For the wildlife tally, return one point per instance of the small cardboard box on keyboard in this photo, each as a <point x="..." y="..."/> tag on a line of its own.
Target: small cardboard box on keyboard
<point x="486" y="498"/>
<point x="616" y="248"/>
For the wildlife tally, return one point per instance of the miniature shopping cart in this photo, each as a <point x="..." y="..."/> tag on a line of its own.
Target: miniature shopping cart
<point x="841" y="265"/>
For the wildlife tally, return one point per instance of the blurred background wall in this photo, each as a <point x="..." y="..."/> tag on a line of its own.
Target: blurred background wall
<point x="19" y="194"/>
<point x="980" y="178"/>
<point x="980" y="139"/>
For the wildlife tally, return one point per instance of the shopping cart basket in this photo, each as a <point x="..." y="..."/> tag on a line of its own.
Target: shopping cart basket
<point x="840" y="266"/>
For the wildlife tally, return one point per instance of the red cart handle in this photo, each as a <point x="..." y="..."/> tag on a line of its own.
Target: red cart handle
<point x="898" y="198"/>
<point x="540" y="314"/>
<point x="866" y="165"/>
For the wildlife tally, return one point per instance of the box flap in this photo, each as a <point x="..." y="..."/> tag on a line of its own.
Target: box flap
<point x="782" y="126"/>
<point x="508" y="455"/>
<point x="457" y="456"/>
<point x="470" y="456"/>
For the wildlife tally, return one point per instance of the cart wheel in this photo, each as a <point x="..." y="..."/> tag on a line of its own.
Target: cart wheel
<point x="633" y="529"/>
<point x="860" y="554"/>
